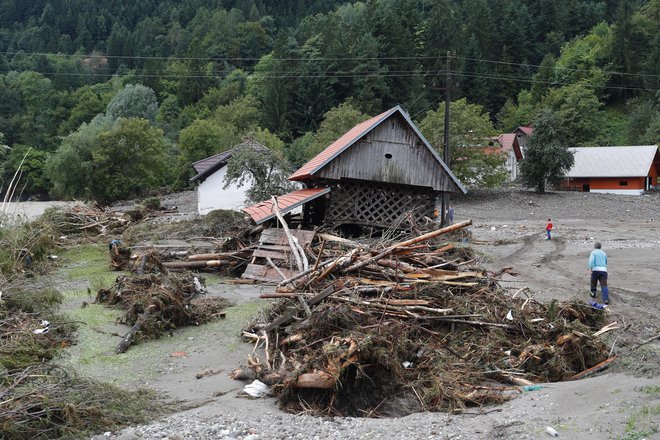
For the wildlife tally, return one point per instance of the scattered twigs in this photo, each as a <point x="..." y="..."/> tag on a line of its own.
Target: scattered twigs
<point x="651" y="339"/>
<point x="421" y="238"/>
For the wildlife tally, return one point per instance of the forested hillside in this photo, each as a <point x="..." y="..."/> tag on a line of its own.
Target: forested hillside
<point x="115" y="98"/>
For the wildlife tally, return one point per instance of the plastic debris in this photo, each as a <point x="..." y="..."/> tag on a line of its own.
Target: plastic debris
<point x="45" y="327"/>
<point x="532" y="387"/>
<point x="257" y="389"/>
<point x="551" y="431"/>
<point x="509" y="316"/>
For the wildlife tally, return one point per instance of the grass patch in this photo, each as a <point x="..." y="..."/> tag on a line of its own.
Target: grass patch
<point x="643" y="423"/>
<point x="86" y="261"/>
<point x="653" y="390"/>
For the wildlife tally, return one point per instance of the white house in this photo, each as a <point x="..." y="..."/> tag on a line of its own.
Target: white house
<point x="210" y="178"/>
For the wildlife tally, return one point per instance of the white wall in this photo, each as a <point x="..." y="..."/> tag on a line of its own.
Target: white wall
<point x="512" y="165"/>
<point x="211" y="195"/>
<point x="630" y="192"/>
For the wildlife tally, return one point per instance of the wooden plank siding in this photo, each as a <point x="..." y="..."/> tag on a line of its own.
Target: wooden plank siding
<point x="393" y="153"/>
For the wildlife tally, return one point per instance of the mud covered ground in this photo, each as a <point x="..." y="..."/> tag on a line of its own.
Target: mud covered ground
<point x="508" y="230"/>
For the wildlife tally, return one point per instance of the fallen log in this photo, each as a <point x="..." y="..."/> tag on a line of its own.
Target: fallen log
<point x="317" y="379"/>
<point x="195" y="264"/>
<point x="595" y="369"/>
<point x="127" y="340"/>
<point x="296" y="250"/>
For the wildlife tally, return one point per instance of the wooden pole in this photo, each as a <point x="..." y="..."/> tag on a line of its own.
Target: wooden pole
<point x="446" y="156"/>
<point x="292" y="243"/>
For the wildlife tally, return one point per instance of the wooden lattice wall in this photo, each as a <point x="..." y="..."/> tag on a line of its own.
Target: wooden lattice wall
<point x="377" y="203"/>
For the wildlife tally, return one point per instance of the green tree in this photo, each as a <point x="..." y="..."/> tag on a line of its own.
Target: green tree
<point x="547" y="158"/>
<point x="469" y="132"/>
<point x="87" y="105"/>
<point x="578" y="112"/>
<point x="33" y="179"/>
<point x="265" y="170"/>
<point x="128" y="161"/>
<point x="70" y="168"/>
<point x="514" y="115"/>
<point x="336" y="122"/>
<point x="202" y="139"/>
<point x="134" y="101"/>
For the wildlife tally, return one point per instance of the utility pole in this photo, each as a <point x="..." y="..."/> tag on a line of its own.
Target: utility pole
<point x="446" y="157"/>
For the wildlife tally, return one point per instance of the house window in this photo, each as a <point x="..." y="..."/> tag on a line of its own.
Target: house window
<point x="623" y="183"/>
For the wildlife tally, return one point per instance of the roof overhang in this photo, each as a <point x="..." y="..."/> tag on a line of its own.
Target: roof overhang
<point x="263" y="211"/>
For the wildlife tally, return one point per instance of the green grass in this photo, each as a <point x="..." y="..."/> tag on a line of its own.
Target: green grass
<point x="653" y="390"/>
<point x="643" y="423"/>
<point x="87" y="261"/>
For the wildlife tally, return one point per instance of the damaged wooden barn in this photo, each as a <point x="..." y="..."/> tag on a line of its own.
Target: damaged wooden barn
<point x="380" y="173"/>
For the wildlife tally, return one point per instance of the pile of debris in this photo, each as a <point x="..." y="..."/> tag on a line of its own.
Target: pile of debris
<point x="157" y="303"/>
<point x="92" y="220"/>
<point x="45" y="401"/>
<point x="362" y="332"/>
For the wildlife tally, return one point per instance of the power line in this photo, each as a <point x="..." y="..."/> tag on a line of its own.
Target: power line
<point x="552" y="83"/>
<point x="608" y="72"/>
<point x="282" y="75"/>
<point x="428" y="106"/>
<point x="343" y="75"/>
<point x="377" y="58"/>
<point x="174" y="58"/>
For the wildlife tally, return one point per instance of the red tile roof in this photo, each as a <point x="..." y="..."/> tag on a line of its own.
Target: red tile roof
<point x="527" y="129"/>
<point x="506" y="141"/>
<point x="345" y="141"/>
<point x="263" y="211"/>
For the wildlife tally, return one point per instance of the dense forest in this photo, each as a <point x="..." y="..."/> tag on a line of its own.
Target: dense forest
<point x="106" y="99"/>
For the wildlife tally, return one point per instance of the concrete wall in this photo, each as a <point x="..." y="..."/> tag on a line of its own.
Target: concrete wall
<point x="211" y="195"/>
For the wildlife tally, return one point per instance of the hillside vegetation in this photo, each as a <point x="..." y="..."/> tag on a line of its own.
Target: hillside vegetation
<point x="106" y="99"/>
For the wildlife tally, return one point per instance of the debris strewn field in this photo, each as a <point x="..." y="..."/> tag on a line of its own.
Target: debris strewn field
<point x="619" y="403"/>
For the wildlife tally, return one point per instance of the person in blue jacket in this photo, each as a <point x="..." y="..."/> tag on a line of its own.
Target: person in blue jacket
<point x="598" y="270"/>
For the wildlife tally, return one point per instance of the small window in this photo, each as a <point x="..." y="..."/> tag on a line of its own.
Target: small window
<point x="388" y="156"/>
<point x="623" y="183"/>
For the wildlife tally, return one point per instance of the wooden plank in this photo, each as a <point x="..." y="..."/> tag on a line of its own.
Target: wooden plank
<point x="274" y="247"/>
<point x="274" y="236"/>
<point x="263" y="253"/>
<point x="265" y="273"/>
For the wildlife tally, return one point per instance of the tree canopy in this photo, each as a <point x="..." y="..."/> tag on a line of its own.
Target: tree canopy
<point x="547" y="158"/>
<point x="208" y="72"/>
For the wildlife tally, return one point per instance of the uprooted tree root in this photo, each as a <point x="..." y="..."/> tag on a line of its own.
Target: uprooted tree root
<point x="351" y="359"/>
<point x="46" y="401"/>
<point x="158" y="303"/>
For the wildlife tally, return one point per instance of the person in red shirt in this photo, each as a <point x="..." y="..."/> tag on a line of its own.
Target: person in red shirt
<point x="548" y="229"/>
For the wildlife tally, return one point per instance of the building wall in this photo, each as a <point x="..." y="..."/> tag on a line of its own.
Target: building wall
<point x="392" y="153"/>
<point x="211" y="195"/>
<point x="617" y="185"/>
